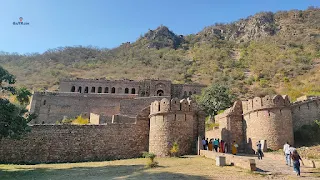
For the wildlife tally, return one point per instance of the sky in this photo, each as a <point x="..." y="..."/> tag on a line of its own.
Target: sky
<point x="108" y="23"/>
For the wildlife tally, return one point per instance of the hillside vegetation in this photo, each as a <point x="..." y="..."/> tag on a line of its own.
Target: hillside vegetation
<point x="262" y="54"/>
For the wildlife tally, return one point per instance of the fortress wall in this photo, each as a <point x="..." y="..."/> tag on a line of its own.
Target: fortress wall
<point x="230" y="125"/>
<point x="268" y="119"/>
<point x="119" y="85"/>
<point x="73" y="143"/>
<point x="52" y="107"/>
<point x="305" y="112"/>
<point x="132" y="107"/>
<point x="172" y="121"/>
<point x="123" y="119"/>
<point x="186" y="90"/>
<point x="160" y="85"/>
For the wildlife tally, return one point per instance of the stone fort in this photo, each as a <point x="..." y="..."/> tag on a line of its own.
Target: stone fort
<point x="126" y="118"/>
<point x="272" y="120"/>
<point x="106" y="98"/>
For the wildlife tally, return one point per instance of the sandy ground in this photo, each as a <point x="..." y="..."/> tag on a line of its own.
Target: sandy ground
<point x="189" y="167"/>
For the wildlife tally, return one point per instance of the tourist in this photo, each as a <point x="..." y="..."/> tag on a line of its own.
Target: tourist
<point x="259" y="151"/>
<point x="204" y="144"/>
<point x="210" y="145"/>
<point x="216" y="144"/>
<point x="234" y="148"/>
<point x="286" y="151"/>
<point x="221" y="149"/>
<point x="296" y="161"/>
<point x="225" y="147"/>
<point x="207" y="143"/>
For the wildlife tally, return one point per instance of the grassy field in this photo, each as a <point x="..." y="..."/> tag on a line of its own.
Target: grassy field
<point x="191" y="167"/>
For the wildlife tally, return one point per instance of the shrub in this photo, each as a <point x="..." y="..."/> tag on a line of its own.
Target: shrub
<point x="80" y="120"/>
<point x="174" y="149"/>
<point x="151" y="163"/>
<point x="75" y="121"/>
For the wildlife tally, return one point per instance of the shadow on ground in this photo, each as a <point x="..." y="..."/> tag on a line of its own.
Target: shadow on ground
<point x="94" y="173"/>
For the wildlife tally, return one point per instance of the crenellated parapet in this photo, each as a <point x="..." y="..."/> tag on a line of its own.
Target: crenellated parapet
<point x="305" y="100"/>
<point x="236" y="109"/>
<point x="172" y="106"/>
<point x="267" y="102"/>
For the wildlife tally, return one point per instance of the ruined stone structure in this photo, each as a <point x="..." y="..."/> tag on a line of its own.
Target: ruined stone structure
<point x="126" y="119"/>
<point x="104" y="97"/>
<point x="271" y="119"/>
<point x="174" y="122"/>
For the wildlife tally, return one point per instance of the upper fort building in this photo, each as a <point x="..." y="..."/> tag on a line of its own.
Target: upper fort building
<point x="104" y="97"/>
<point x="144" y="88"/>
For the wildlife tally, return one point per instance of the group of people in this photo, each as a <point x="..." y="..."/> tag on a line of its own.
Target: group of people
<point x="217" y="145"/>
<point x="292" y="154"/>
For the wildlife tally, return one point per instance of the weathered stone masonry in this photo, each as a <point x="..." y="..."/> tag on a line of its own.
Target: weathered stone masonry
<point x="273" y="119"/>
<point x="124" y="137"/>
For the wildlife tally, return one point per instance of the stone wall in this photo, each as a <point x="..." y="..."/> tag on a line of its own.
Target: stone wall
<point x="52" y="107"/>
<point x="230" y="126"/>
<point x="268" y="118"/>
<point x="72" y="143"/>
<point x="172" y="121"/>
<point x="132" y="107"/>
<point x="305" y="111"/>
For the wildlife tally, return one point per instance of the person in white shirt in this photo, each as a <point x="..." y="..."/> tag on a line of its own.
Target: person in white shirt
<point x="286" y="151"/>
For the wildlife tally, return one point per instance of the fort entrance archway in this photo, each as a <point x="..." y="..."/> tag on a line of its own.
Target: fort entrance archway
<point x="160" y="92"/>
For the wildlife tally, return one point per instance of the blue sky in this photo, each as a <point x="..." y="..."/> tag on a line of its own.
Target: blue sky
<point x="107" y="24"/>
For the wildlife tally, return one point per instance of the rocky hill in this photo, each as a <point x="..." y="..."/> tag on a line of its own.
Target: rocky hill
<point x="262" y="54"/>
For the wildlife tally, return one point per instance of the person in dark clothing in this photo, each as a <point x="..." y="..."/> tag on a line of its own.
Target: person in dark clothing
<point x="296" y="161"/>
<point x="259" y="151"/>
<point x="207" y="143"/>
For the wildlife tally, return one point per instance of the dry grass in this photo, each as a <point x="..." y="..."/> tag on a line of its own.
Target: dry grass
<point x="192" y="167"/>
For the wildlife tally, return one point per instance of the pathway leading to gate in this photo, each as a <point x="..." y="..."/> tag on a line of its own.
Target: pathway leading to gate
<point x="275" y="165"/>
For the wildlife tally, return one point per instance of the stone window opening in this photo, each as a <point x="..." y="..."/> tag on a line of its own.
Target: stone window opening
<point x="99" y="89"/>
<point x="106" y="90"/>
<point x="86" y="89"/>
<point x="180" y="106"/>
<point x="44" y="102"/>
<point x="160" y="92"/>
<point x="80" y="89"/>
<point x="133" y="91"/>
<point x="159" y="107"/>
<point x="93" y="89"/>
<point x="113" y="90"/>
<point x="280" y="111"/>
<point x="126" y="90"/>
<point x="73" y="89"/>
<point x="269" y="113"/>
<point x="175" y="116"/>
<point x="190" y="93"/>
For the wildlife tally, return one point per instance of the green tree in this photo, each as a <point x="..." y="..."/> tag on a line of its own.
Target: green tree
<point x="6" y="80"/>
<point x="215" y="98"/>
<point x="23" y="96"/>
<point x="13" y="119"/>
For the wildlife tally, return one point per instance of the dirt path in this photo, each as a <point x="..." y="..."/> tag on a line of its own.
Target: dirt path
<point x="276" y="166"/>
